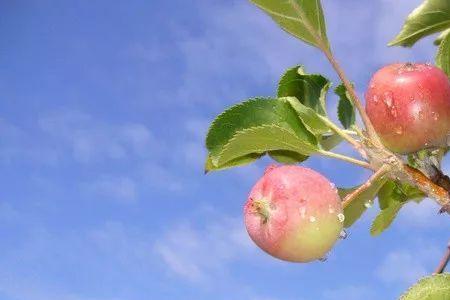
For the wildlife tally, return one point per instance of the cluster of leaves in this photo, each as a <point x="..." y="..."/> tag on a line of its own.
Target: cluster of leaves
<point x="288" y="127"/>
<point x="294" y="124"/>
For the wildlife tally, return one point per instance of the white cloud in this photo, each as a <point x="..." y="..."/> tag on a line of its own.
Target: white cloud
<point x="423" y="215"/>
<point x="108" y="252"/>
<point x="406" y="266"/>
<point x="91" y="140"/>
<point x="198" y="254"/>
<point x="122" y="189"/>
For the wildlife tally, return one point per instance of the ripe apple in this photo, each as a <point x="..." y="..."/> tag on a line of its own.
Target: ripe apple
<point x="294" y="213"/>
<point x="409" y="106"/>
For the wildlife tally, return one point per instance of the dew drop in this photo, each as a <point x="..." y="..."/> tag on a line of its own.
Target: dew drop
<point x="331" y="210"/>
<point x="368" y="204"/>
<point x="323" y="259"/>
<point x="435" y="115"/>
<point x="302" y="212"/>
<point x="341" y="217"/>
<point x="375" y="98"/>
<point x="312" y="219"/>
<point x="343" y="235"/>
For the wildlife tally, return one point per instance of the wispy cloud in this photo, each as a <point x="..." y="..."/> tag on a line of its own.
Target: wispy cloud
<point x="90" y="139"/>
<point x="406" y="266"/>
<point x="201" y="253"/>
<point x="120" y="188"/>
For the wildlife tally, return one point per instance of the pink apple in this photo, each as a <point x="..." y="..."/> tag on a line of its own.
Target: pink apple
<point x="294" y="213"/>
<point x="409" y="106"/>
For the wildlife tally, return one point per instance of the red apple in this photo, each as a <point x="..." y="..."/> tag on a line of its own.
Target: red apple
<point x="294" y="213"/>
<point x="409" y="106"/>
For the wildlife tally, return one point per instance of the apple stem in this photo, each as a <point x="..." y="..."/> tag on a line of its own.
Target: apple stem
<point x="379" y="173"/>
<point x="352" y="160"/>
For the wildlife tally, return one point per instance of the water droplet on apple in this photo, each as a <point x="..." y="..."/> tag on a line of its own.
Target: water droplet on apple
<point x="341" y="217"/>
<point x="302" y="212"/>
<point x="343" y="235"/>
<point x="323" y="259"/>
<point x="312" y="219"/>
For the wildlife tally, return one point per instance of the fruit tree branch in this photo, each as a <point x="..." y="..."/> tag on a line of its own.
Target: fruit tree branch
<point x="348" y="86"/>
<point x="440" y="194"/>
<point x="444" y="261"/>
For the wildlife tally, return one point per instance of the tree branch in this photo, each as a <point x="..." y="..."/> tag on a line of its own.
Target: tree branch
<point x="440" y="194"/>
<point x="326" y="50"/>
<point x="444" y="261"/>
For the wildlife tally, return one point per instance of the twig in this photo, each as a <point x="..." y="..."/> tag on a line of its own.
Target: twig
<point x="352" y="160"/>
<point x="356" y="101"/>
<point x="412" y="175"/>
<point x="344" y="135"/>
<point x="350" y="197"/>
<point x="326" y="50"/>
<point x="444" y="261"/>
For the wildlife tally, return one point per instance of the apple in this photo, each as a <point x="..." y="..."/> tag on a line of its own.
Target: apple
<point x="294" y="214"/>
<point x="409" y="106"/>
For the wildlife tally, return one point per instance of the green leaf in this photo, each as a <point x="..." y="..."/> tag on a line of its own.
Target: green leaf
<point x="359" y="205"/>
<point x="286" y="14"/>
<point x="262" y="139"/>
<point x="391" y="197"/>
<point x="253" y="113"/>
<point x="397" y="192"/>
<point x="309" y="89"/>
<point x="441" y="37"/>
<point x="240" y="161"/>
<point x="287" y="157"/>
<point x="328" y="142"/>
<point x="385" y="218"/>
<point x="443" y="55"/>
<point x="430" y="17"/>
<point x="436" y="287"/>
<point x="346" y="110"/>
<point x="309" y="117"/>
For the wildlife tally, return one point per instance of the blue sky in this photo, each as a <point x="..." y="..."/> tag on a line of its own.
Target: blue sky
<point x="103" y="112"/>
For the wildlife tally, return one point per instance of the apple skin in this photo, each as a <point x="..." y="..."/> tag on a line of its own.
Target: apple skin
<point x="294" y="214"/>
<point x="409" y="106"/>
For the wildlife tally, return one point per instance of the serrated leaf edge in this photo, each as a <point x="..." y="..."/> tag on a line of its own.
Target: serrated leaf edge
<point x="400" y="42"/>
<point x="227" y="111"/>
<point x="405" y="294"/>
<point x="235" y="136"/>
